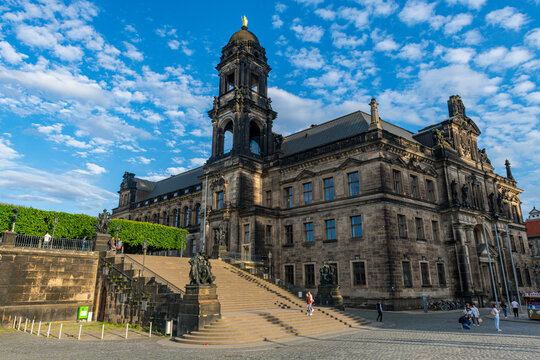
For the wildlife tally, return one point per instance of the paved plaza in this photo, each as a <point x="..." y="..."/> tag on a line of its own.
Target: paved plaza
<point x="402" y="335"/>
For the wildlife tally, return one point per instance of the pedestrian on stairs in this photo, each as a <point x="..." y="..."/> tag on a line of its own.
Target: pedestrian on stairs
<point x="309" y="300"/>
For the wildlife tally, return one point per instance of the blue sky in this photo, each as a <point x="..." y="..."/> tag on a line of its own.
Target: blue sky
<point x="89" y="90"/>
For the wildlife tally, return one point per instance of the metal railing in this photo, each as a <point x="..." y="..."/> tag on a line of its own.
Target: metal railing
<point x="35" y="241"/>
<point x="158" y="278"/>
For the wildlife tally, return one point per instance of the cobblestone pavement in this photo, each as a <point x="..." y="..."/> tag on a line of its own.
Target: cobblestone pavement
<point x="403" y="335"/>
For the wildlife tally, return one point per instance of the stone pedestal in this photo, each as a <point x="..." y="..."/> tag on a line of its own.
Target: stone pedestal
<point x="101" y="242"/>
<point x="8" y="238"/>
<point x="218" y="251"/>
<point x="200" y="307"/>
<point x="330" y="295"/>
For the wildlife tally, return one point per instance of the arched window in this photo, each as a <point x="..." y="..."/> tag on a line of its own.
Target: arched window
<point x="165" y="219"/>
<point x="254" y="138"/>
<point x="228" y="137"/>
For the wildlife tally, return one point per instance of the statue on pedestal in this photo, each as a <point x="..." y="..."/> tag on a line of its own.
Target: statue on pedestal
<point x="104" y="221"/>
<point x="201" y="270"/>
<point x="328" y="292"/>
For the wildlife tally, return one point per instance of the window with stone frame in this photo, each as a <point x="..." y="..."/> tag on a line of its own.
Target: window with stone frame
<point x="441" y="274"/>
<point x="269" y="198"/>
<point x="288" y="234"/>
<point x="308" y="193"/>
<point x="516" y="214"/>
<point x="397" y="182"/>
<point x="328" y="189"/>
<point x="419" y="228"/>
<point x="414" y="186"/>
<point x="268" y="234"/>
<point x="198" y="212"/>
<point x="402" y="226"/>
<point x="288" y="197"/>
<point x="521" y="244"/>
<point x="435" y="230"/>
<point x="165" y="219"/>
<point x="527" y="277"/>
<point x="424" y="272"/>
<point x="309" y="275"/>
<point x="289" y="274"/>
<point x="407" y="279"/>
<point x="359" y="276"/>
<point x="519" y="278"/>
<point x="354" y="183"/>
<point x="430" y="191"/>
<point x="246" y="234"/>
<point x="187" y="215"/>
<point x="330" y="229"/>
<point x="356" y="227"/>
<point x="308" y="232"/>
<point x="513" y="243"/>
<point x="219" y="200"/>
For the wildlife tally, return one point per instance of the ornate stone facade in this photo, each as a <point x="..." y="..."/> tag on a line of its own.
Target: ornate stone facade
<point x="397" y="214"/>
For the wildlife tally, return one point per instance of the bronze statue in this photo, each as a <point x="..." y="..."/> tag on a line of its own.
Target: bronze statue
<point x="201" y="270"/>
<point x="103" y="223"/>
<point x="221" y="234"/>
<point x="327" y="275"/>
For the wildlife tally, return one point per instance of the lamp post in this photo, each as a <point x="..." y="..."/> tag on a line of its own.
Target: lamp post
<point x="117" y="239"/>
<point x="145" y="247"/>
<point x="14" y="218"/>
<point x="54" y="226"/>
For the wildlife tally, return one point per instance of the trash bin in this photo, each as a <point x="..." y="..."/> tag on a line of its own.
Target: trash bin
<point x="82" y="313"/>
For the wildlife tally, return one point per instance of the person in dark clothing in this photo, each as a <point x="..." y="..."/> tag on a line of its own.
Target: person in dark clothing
<point x="465" y="322"/>
<point x="379" y="311"/>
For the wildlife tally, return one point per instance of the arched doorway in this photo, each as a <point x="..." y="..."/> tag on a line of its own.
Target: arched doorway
<point x="102" y="304"/>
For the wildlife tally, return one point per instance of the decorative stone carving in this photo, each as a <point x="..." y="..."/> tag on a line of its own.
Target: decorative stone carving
<point x="201" y="270"/>
<point x="483" y="156"/>
<point x="465" y="195"/>
<point x="439" y="139"/>
<point x="327" y="275"/>
<point x="104" y="221"/>
<point x="453" y="188"/>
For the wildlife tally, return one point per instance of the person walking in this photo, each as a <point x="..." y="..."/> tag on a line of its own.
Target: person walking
<point x="47" y="240"/>
<point x="475" y="315"/>
<point x="379" y="311"/>
<point x="84" y="240"/>
<point x="515" y="308"/>
<point x="309" y="300"/>
<point x="119" y="246"/>
<point x="495" y="313"/>
<point x="504" y="307"/>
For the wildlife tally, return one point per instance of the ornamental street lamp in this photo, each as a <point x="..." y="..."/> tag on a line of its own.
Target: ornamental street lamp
<point x="117" y="238"/>
<point x="145" y="247"/>
<point x="54" y="226"/>
<point x="14" y="218"/>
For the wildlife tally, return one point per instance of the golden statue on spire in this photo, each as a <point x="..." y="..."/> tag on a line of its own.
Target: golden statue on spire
<point x="244" y="21"/>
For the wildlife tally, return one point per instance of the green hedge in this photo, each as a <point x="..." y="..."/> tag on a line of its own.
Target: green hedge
<point x="32" y="221"/>
<point x="158" y="236"/>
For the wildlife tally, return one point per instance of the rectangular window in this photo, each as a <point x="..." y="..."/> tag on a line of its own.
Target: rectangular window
<point x="219" y="200"/>
<point x="329" y="189"/>
<point x="419" y="228"/>
<point x="289" y="274"/>
<point x="527" y="277"/>
<point x="442" y="275"/>
<point x="519" y="278"/>
<point x="521" y="244"/>
<point x="424" y="269"/>
<point x="356" y="226"/>
<point x="430" y="191"/>
<point x="402" y="226"/>
<point x="512" y="243"/>
<point x="288" y="234"/>
<point x="331" y="229"/>
<point x="359" y="273"/>
<point x="288" y="197"/>
<point x="435" y="228"/>
<point x="308" y="232"/>
<point x="246" y="233"/>
<point x="414" y="186"/>
<point x="334" y="268"/>
<point x="407" y="280"/>
<point x="268" y="234"/>
<point x="308" y="193"/>
<point x="269" y="198"/>
<point x="309" y="275"/>
<point x="354" y="184"/>
<point x="397" y="182"/>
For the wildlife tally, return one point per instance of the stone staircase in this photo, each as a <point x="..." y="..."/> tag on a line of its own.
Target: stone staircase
<point x="252" y="309"/>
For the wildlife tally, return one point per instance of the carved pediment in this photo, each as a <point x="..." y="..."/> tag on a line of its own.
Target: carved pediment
<point x="305" y="174"/>
<point x="350" y="162"/>
<point x="429" y="170"/>
<point x="398" y="160"/>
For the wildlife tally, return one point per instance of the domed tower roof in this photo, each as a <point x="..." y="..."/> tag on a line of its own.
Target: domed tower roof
<point x="244" y="34"/>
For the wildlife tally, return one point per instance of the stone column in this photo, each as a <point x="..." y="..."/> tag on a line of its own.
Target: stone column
<point x="463" y="259"/>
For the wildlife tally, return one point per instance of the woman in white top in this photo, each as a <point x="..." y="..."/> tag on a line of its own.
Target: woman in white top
<point x="495" y="313"/>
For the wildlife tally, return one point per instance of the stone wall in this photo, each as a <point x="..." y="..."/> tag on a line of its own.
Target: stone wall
<point x="46" y="285"/>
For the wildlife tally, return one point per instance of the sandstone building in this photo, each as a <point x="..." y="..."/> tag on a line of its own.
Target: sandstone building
<point x="398" y="214"/>
<point x="533" y="234"/>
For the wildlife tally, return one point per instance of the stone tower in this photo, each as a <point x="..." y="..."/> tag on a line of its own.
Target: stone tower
<point x="242" y="115"/>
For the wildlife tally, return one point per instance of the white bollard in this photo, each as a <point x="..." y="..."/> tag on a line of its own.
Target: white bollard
<point x="39" y="328"/>
<point x="80" y="329"/>
<point x="20" y="320"/>
<point x="49" y="330"/>
<point x="14" y="322"/>
<point x="60" y="333"/>
<point x="32" y="328"/>
<point x="127" y="327"/>
<point x="150" y="332"/>
<point x="102" y="330"/>
<point x="25" y="323"/>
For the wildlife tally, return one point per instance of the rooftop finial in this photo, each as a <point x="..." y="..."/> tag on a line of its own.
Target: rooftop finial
<point x="375" y="121"/>
<point x="244" y="22"/>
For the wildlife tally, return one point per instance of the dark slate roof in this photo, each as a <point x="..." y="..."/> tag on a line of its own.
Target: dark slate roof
<point x="173" y="183"/>
<point x="335" y="130"/>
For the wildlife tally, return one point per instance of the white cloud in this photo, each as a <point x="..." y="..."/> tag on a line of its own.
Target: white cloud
<point x="501" y="58"/>
<point x="174" y="44"/>
<point x="310" y="2"/>
<point x="140" y="160"/>
<point x="360" y="18"/>
<point x="471" y="4"/>
<point x="459" y="55"/>
<point x="308" y="33"/>
<point x="380" y="7"/>
<point x="7" y="153"/>
<point x="383" y="42"/>
<point x="10" y="54"/>
<point x="472" y="37"/>
<point x="91" y="169"/>
<point x="36" y="36"/>
<point x="533" y="38"/>
<point x="276" y="21"/>
<point x="342" y="40"/>
<point x="195" y="162"/>
<point x="132" y="52"/>
<point x="412" y="51"/>
<point x="508" y="18"/>
<point x="457" y="23"/>
<point x="307" y="59"/>
<point x="417" y="11"/>
<point x="280" y="7"/>
<point x="326" y="14"/>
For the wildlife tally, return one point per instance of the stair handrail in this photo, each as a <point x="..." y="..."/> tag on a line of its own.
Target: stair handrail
<point x="156" y="276"/>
